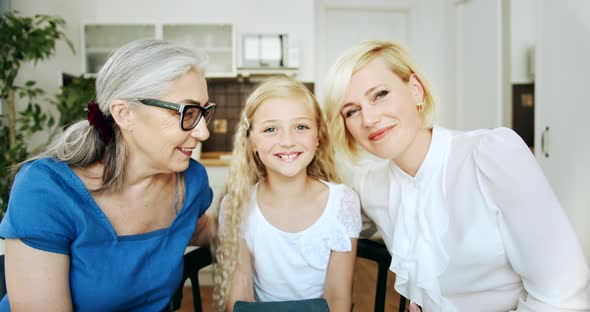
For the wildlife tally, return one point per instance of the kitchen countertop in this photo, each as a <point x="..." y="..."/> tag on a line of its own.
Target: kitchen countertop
<point x="215" y="159"/>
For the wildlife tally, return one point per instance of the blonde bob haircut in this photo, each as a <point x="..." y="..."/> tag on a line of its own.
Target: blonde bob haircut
<point x="246" y="170"/>
<point x="399" y="62"/>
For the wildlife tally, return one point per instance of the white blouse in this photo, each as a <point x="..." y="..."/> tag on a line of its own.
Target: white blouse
<point x="477" y="229"/>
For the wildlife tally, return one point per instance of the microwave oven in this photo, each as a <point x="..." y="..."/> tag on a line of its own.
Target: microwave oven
<point x="268" y="51"/>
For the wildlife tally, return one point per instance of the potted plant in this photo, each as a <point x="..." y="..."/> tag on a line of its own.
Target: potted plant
<point x="23" y="40"/>
<point x="71" y="101"/>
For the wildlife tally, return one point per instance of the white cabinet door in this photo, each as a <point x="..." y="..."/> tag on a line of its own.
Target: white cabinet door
<point x="99" y="41"/>
<point x="217" y="40"/>
<point x="563" y="106"/>
<point x="217" y="179"/>
<point x="483" y="70"/>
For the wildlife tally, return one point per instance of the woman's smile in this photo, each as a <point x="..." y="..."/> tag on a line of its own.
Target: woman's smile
<point x="381" y="133"/>
<point x="188" y="151"/>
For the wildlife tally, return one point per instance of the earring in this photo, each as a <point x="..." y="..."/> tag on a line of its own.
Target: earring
<point x="246" y="125"/>
<point x="420" y="106"/>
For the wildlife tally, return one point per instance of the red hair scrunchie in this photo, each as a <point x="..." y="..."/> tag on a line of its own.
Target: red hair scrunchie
<point x="97" y="119"/>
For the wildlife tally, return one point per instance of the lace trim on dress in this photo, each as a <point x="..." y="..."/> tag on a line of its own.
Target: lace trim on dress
<point x="349" y="213"/>
<point x="316" y="246"/>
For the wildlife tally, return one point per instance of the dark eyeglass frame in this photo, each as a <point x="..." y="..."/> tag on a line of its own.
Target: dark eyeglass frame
<point x="182" y="108"/>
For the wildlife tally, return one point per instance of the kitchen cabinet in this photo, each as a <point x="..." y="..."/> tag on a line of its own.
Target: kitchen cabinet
<point x="217" y="40"/>
<point x="218" y="175"/>
<point x="100" y="40"/>
<point x="562" y="44"/>
<point x="562" y="146"/>
<point x="217" y="179"/>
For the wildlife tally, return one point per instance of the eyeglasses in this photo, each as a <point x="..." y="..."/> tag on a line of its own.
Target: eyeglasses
<point x="190" y="114"/>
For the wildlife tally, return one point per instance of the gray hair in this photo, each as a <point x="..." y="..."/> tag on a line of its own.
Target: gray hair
<point x="139" y="69"/>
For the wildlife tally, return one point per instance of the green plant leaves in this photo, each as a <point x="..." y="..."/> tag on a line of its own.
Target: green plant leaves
<point x="72" y="100"/>
<point x="23" y="39"/>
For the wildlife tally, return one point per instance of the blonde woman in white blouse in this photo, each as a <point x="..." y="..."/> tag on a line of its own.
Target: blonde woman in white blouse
<point x="468" y="217"/>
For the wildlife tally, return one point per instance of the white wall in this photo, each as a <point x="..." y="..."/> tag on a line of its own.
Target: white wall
<point x="424" y="26"/>
<point x="48" y="73"/>
<point x="260" y="16"/>
<point x="482" y="64"/>
<point x="562" y="106"/>
<point x="429" y="31"/>
<point x="431" y="40"/>
<point x="4" y="5"/>
<point x="432" y="43"/>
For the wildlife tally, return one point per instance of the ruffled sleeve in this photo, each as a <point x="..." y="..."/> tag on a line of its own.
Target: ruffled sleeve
<point x="343" y="222"/>
<point x="538" y="237"/>
<point x="349" y="212"/>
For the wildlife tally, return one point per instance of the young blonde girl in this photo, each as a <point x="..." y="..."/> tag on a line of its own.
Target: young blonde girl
<point x="287" y="230"/>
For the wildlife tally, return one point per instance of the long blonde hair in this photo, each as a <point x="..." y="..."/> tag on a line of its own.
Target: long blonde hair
<point x="246" y="170"/>
<point x="399" y="61"/>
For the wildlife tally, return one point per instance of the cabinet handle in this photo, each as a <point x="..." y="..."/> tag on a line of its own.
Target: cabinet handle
<point x="543" y="150"/>
<point x="283" y="48"/>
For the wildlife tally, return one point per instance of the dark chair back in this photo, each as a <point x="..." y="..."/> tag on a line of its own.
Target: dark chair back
<point x="2" y="278"/>
<point x="376" y="251"/>
<point x="194" y="261"/>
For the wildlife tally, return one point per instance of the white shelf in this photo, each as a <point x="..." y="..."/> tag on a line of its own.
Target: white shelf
<point x="210" y="50"/>
<point x="247" y="72"/>
<point x="218" y="50"/>
<point x="217" y="40"/>
<point x="99" y="50"/>
<point x="220" y="75"/>
<point x="115" y="35"/>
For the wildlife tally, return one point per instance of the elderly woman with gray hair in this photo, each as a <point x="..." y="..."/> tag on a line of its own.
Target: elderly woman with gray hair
<point x="101" y="219"/>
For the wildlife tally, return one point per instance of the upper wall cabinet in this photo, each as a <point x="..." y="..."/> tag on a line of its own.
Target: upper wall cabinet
<point x="99" y="41"/>
<point x="217" y="40"/>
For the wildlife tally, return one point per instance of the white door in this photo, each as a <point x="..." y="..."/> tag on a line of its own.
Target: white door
<point x="341" y="26"/>
<point x="482" y="58"/>
<point x="562" y="109"/>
